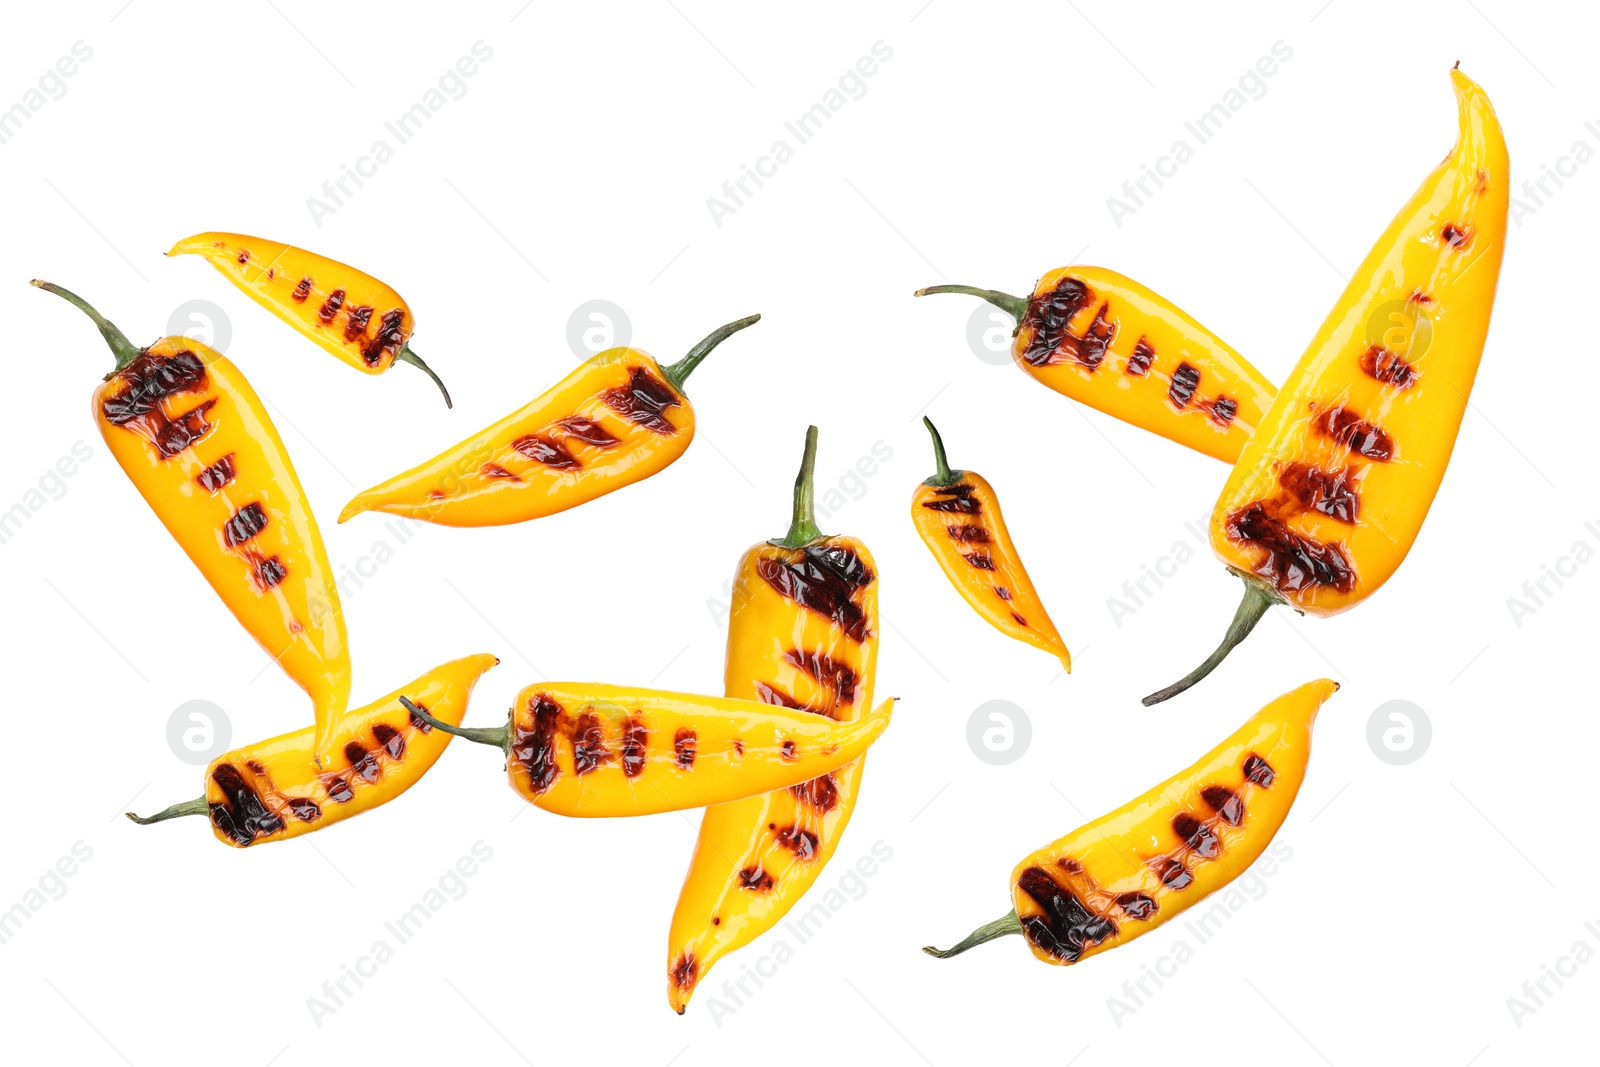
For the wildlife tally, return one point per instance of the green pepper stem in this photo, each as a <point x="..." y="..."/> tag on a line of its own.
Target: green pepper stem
<point x="405" y="355"/>
<point x="803" y="518"/>
<point x="197" y="806"/>
<point x="1008" y="924"/>
<point x="942" y="474"/>
<point x="1254" y="605"/>
<point x="677" y="373"/>
<point x="1015" y="306"/>
<point x="498" y="736"/>
<point x="125" y="350"/>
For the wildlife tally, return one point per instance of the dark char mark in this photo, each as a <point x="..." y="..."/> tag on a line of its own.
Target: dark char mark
<point x="979" y="560"/>
<point x="824" y="580"/>
<point x="756" y="880"/>
<point x="589" y="744"/>
<point x="339" y="790"/>
<point x="1223" y="409"/>
<point x="683" y="747"/>
<point x="586" y="430"/>
<point x="149" y="380"/>
<point x="1197" y="835"/>
<point x="685" y="971"/>
<point x="418" y="721"/>
<point x="1382" y="365"/>
<point x="330" y="307"/>
<point x="1258" y="771"/>
<point x="634" y="739"/>
<point x="217" y="475"/>
<point x="1139" y="360"/>
<point x="1332" y="493"/>
<point x="534" y="747"/>
<point x="956" y="497"/>
<point x="1293" y="561"/>
<point x="797" y="839"/>
<point x="1457" y="237"/>
<point x="1048" y="315"/>
<point x="388" y="339"/>
<point x="356" y="321"/>
<point x="303" y="809"/>
<point x="364" y="763"/>
<point x="245" y="524"/>
<point x="643" y="400"/>
<point x="1137" y="905"/>
<point x="1225" y="802"/>
<point x="828" y="671"/>
<point x="1173" y="874"/>
<point x="301" y="291"/>
<point x="1067" y="927"/>
<point x="820" y="794"/>
<point x="269" y="573"/>
<point x="968" y="533"/>
<point x="1353" y="432"/>
<point x="771" y="694"/>
<point x="390" y="739"/>
<point x="543" y="450"/>
<point x="1184" y="382"/>
<point x="243" y="817"/>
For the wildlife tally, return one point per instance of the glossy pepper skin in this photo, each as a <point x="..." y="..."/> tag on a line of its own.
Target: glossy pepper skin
<point x="343" y="311"/>
<point x="802" y="633"/>
<point x="1329" y="495"/>
<point x="957" y="515"/>
<point x="196" y="441"/>
<point x="271" y="791"/>
<point x="1106" y="341"/>
<point x="602" y="751"/>
<point x="1160" y="854"/>
<point x="617" y="419"/>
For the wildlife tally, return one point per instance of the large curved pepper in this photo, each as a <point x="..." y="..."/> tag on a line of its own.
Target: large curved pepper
<point x="603" y="751"/>
<point x="1329" y="495"/>
<point x="802" y="633"/>
<point x="1144" y="864"/>
<point x="617" y="419"/>
<point x="958" y="517"/>
<point x="196" y="441"/>
<point x="1106" y="341"/>
<point x="271" y="791"/>
<point x="350" y="314"/>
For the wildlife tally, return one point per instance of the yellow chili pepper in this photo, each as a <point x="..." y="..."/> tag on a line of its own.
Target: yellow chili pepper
<point x="271" y="791"/>
<point x="803" y="634"/>
<point x="1329" y="495"/>
<point x="353" y="315"/>
<point x="1160" y="854"/>
<point x="601" y="751"/>
<point x="615" y="420"/>
<point x="958" y="517"/>
<point x="1106" y="341"/>
<point x="197" y="443"/>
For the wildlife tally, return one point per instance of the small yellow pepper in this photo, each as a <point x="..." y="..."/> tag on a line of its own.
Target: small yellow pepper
<point x="958" y="517"/>
<point x="352" y="315"/>
<point x="802" y="633"/>
<point x="602" y="751"/>
<point x="617" y="419"/>
<point x="1106" y="341"/>
<point x="196" y="441"/>
<point x="271" y="791"/>
<point x="1329" y="495"/>
<point x="1147" y="862"/>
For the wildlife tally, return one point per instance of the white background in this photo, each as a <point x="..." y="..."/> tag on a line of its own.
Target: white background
<point x="576" y="166"/>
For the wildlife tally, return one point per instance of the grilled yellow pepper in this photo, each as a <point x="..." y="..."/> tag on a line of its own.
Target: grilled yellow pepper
<point x="197" y="443"/>
<point x="1329" y="495"/>
<point x="802" y="633"/>
<point x="1106" y="341"/>
<point x="353" y="315"/>
<point x="602" y="751"/>
<point x="1160" y="854"/>
<point x="270" y="791"/>
<point x="617" y="419"/>
<point x="958" y="516"/>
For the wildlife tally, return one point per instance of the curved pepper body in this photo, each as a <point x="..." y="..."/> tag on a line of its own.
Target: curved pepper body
<point x="802" y="633"/>
<point x="1147" y="862"/>
<point x="1329" y="495"/>
<point x="961" y="524"/>
<point x="613" y="421"/>
<point x="345" y="312"/>
<point x="600" y="751"/>
<point x="196" y="441"/>
<point x="1106" y="341"/>
<point x="271" y="791"/>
